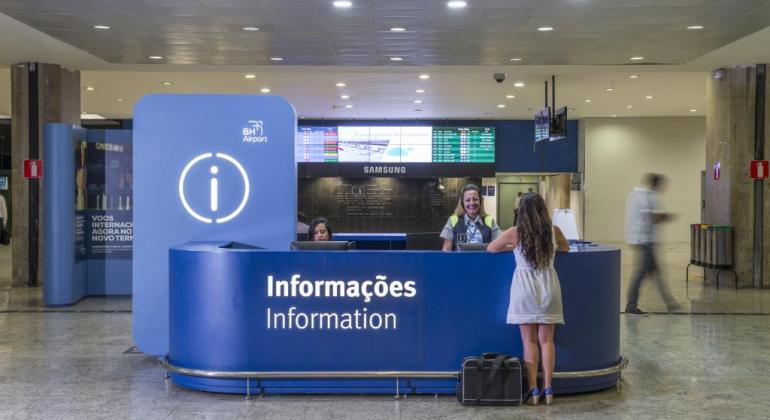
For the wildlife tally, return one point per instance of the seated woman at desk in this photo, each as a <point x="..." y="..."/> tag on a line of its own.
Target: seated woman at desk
<point x="320" y="230"/>
<point x="535" y="295"/>
<point x="470" y="223"/>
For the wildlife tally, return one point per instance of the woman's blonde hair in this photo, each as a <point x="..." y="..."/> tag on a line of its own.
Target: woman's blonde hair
<point x="460" y="209"/>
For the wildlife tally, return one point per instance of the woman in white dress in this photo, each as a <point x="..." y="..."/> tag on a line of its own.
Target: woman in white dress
<point x="535" y="303"/>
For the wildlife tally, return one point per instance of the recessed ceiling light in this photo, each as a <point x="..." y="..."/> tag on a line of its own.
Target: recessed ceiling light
<point x="276" y="58"/>
<point x="588" y="100"/>
<point x="614" y="115"/>
<point x="545" y="28"/>
<point x="90" y="88"/>
<point x="396" y="59"/>
<point x="397" y="29"/>
<point x="636" y="58"/>
<point x="424" y="76"/>
<point x="265" y="90"/>
<point x="648" y="97"/>
<point x="348" y="106"/>
<point x="693" y="110"/>
<point x="419" y="91"/>
<point x="629" y="106"/>
<point x="119" y="99"/>
<point x="695" y="27"/>
<point x="510" y="96"/>
<point x="501" y="105"/>
<point x="166" y="83"/>
<point x="344" y="96"/>
<point x="633" y="76"/>
<point x="515" y="59"/>
<point x="250" y="28"/>
<point x="343" y="4"/>
<point x="456" y="4"/>
<point x="155" y="57"/>
<point x="341" y="84"/>
<point x="103" y="27"/>
<point x="518" y="84"/>
<point x="250" y="76"/>
<point x="418" y="101"/>
<point x="609" y="89"/>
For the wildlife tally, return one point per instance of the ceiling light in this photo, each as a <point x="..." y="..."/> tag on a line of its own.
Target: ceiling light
<point x="343" y="4"/>
<point x="166" y="83"/>
<point x="396" y="59"/>
<point x="510" y="96"/>
<point x="693" y="110"/>
<point x="419" y="91"/>
<point x="545" y="28"/>
<point x="648" y="97"/>
<point x="695" y="27"/>
<point x="276" y="58"/>
<point x="119" y="99"/>
<point x="250" y="28"/>
<point x="348" y="106"/>
<point x="265" y="90"/>
<point x="609" y="89"/>
<point x="155" y="57"/>
<point x="515" y="59"/>
<point x="636" y="58"/>
<point x="456" y="4"/>
<point x="341" y="84"/>
<point x="397" y="29"/>
<point x="90" y="88"/>
<point x="614" y="115"/>
<point x="629" y="106"/>
<point x="588" y="100"/>
<point x="424" y="76"/>
<point x="103" y="27"/>
<point x="344" y="96"/>
<point x="418" y="101"/>
<point x="633" y="76"/>
<point x="250" y="76"/>
<point x="501" y="105"/>
<point x="518" y="84"/>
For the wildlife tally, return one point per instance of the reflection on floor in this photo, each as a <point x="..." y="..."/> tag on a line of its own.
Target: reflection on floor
<point x="74" y="364"/>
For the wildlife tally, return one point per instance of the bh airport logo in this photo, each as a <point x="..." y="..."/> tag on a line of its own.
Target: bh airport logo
<point x="254" y="132"/>
<point x="214" y="188"/>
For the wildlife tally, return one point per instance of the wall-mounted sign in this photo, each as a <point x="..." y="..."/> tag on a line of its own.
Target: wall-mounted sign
<point x="758" y="169"/>
<point x="33" y="168"/>
<point x="717" y="170"/>
<point x="3" y="183"/>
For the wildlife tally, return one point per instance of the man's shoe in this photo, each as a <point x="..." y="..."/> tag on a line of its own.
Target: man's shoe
<point x="636" y="312"/>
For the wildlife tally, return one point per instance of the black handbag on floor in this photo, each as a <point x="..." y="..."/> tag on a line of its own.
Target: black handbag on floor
<point x="492" y="379"/>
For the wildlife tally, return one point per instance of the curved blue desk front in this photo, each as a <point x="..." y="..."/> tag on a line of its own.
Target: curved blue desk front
<point x="235" y="309"/>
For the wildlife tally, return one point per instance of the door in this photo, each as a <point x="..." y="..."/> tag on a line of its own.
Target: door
<point x="506" y="199"/>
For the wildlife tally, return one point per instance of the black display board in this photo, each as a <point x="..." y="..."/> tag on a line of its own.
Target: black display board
<point x="381" y="205"/>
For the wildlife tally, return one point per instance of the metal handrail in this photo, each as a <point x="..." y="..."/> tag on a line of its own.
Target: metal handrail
<point x="616" y="368"/>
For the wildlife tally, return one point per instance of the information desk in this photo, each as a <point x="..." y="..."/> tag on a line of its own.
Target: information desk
<point x="373" y="321"/>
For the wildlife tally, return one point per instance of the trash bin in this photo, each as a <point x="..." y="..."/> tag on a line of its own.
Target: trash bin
<point x="723" y="235"/>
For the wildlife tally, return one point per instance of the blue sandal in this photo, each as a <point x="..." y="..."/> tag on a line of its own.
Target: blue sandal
<point x="533" y="396"/>
<point x="548" y="393"/>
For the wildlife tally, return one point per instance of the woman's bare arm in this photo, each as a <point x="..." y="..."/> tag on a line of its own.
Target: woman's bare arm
<point x="561" y="242"/>
<point x="505" y="242"/>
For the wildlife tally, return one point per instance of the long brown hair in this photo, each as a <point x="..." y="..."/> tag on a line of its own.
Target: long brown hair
<point x="460" y="209"/>
<point x="535" y="231"/>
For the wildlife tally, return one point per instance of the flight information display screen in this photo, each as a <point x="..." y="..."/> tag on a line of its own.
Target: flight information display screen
<point x="418" y="144"/>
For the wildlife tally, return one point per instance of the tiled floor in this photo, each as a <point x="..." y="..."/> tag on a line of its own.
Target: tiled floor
<point x="72" y="364"/>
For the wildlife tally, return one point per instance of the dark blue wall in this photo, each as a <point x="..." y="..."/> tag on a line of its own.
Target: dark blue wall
<point x="515" y="149"/>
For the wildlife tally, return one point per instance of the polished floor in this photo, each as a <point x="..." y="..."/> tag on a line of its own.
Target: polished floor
<point x="75" y="363"/>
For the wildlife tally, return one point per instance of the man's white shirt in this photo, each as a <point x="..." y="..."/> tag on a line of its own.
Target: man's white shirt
<point x="641" y="204"/>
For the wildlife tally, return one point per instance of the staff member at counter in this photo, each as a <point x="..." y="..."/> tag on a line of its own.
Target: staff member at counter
<point x="470" y="223"/>
<point x="320" y="230"/>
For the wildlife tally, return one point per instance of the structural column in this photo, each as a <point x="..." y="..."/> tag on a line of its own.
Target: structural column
<point x="735" y="121"/>
<point x="40" y="93"/>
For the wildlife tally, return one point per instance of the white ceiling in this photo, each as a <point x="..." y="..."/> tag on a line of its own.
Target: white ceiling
<point x="389" y="91"/>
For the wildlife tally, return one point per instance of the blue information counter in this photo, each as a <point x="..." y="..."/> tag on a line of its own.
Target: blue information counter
<point x="373" y="321"/>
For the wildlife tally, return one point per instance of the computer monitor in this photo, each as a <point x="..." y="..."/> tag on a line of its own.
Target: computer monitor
<point x="323" y="245"/>
<point x="466" y="246"/>
<point x="425" y="241"/>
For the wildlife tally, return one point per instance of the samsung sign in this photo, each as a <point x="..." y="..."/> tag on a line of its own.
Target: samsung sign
<point x="384" y="170"/>
<point x="394" y="170"/>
